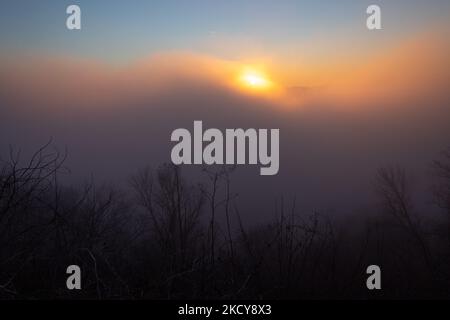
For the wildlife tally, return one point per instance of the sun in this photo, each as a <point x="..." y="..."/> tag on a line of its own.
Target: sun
<point x="254" y="80"/>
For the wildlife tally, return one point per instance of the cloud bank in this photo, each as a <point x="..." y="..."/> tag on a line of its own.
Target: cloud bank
<point x="392" y="108"/>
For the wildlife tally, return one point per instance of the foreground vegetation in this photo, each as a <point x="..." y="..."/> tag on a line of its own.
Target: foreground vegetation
<point x="172" y="239"/>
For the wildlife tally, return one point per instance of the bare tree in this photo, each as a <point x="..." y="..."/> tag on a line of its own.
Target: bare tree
<point x="393" y="189"/>
<point x="24" y="190"/>
<point x="174" y="208"/>
<point x="441" y="169"/>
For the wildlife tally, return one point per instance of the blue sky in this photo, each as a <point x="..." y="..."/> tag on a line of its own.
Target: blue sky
<point x="126" y="30"/>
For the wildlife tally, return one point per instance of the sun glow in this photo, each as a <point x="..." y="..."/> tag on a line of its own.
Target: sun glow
<point x="257" y="81"/>
<point x="254" y="80"/>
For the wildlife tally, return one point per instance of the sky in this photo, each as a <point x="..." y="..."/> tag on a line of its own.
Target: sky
<point x="121" y="31"/>
<point x="346" y="100"/>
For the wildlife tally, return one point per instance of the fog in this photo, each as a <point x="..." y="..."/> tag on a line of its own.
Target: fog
<point x="114" y="120"/>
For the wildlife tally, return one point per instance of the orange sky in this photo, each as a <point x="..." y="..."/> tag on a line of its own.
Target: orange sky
<point x="417" y="66"/>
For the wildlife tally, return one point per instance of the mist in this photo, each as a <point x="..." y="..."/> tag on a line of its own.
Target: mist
<point x="114" y="120"/>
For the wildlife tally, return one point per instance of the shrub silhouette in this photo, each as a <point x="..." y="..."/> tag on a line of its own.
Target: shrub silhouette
<point x="170" y="238"/>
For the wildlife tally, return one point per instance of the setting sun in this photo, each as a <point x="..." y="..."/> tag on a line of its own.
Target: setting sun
<point x="254" y="80"/>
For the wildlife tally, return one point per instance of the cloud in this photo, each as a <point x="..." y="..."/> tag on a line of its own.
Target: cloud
<point x="67" y="82"/>
<point x="393" y="107"/>
<point x="416" y="69"/>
